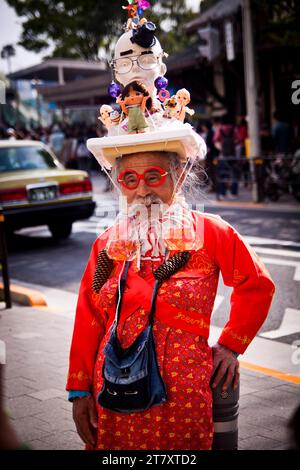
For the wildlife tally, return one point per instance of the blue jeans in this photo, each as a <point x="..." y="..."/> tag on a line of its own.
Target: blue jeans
<point x="228" y="175"/>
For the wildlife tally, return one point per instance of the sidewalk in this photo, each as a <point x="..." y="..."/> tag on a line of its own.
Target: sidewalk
<point x="37" y="345"/>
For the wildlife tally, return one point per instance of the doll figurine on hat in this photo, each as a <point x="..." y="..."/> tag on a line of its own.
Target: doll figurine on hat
<point x="138" y="56"/>
<point x="183" y="97"/>
<point x="171" y="106"/>
<point x="135" y="11"/>
<point x="108" y="116"/>
<point x="134" y="101"/>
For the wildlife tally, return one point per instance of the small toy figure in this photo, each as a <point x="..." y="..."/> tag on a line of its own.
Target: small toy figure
<point x="134" y="100"/>
<point x="104" y="117"/>
<point x="115" y="117"/>
<point x="135" y="11"/>
<point x="108" y="116"/>
<point x="183" y="97"/>
<point x="172" y="109"/>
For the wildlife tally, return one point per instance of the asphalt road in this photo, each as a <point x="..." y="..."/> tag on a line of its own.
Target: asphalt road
<point x="275" y="235"/>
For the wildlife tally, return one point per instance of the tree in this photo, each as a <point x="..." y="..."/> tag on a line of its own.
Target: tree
<point x="276" y="22"/>
<point x="171" y="16"/>
<point x="7" y="52"/>
<point x="78" y="28"/>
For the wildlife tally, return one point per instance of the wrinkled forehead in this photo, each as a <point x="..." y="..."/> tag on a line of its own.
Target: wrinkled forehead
<point x="125" y="48"/>
<point x="142" y="160"/>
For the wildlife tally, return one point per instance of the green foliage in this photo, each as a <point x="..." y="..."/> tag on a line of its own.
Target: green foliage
<point x="8" y="51"/>
<point x="277" y="21"/>
<point x="171" y="16"/>
<point x="78" y="28"/>
<point x="206" y="4"/>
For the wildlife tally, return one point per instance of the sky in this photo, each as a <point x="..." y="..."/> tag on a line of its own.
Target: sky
<point x="10" y="32"/>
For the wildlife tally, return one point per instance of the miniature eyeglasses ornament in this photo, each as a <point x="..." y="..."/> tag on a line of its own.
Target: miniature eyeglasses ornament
<point x="153" y="176"/>
<point x="145" y="61"/>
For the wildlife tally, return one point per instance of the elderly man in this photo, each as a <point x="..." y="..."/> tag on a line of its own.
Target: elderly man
<point x="182" y="319"/>
<point x="158" y="236"/>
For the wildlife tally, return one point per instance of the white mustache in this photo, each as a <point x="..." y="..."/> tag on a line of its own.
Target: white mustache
<point x="147" y="200"/>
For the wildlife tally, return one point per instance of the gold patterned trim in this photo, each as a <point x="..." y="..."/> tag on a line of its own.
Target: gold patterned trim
<point x="79" y="376"/>
<point x="242" y="339"/>
<point x="201" y="323"/>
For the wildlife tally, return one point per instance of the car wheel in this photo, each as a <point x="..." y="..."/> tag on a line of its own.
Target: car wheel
<point x="60" y="231"/>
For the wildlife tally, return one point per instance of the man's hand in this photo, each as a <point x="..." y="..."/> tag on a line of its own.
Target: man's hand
<point x="86" y="419"/>
<point x="225" y="361"/>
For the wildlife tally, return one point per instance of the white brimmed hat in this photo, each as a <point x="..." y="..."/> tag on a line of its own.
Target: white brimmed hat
<point x="164" y="135"/>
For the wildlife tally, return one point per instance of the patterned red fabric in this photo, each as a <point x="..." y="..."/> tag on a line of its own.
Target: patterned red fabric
<point x="185" y="361"/>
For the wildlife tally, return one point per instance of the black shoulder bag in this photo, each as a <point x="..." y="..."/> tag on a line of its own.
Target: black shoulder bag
<point x="132" y="380"/>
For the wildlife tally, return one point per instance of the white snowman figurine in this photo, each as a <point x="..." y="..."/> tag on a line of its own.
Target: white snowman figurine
<point x="132" y="62"/>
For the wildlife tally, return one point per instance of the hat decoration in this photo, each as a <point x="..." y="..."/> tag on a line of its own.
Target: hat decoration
<point x="145" y="116"/>
<point x="136" y="10"/>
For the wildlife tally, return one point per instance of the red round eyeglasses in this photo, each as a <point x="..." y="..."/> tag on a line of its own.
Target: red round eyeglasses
<point x="153" y="176"/>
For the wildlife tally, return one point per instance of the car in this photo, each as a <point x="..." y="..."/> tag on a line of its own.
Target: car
<point x="35" y="189"/>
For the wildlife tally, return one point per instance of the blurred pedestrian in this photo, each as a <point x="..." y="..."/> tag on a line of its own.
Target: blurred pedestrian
<point x="44" y="136"/>
<point x="282" y="136"/>
<point x="68" y="153"/>
<point x="212" y="153"/>
<point x="241" y="134"/>
<point x="11" y="134"/>
<point x="83" y="156"/>
<point x="56" y="140"/>
<point x="227" y="168"/>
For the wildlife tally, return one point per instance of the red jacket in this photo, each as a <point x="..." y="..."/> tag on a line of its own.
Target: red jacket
<point x="223" y="250"/>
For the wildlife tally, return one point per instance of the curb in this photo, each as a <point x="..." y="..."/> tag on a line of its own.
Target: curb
<point x="25" y="296"/>
<point x="270" y="372"/>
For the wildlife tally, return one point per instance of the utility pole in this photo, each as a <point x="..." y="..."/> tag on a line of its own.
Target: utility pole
<point x="251" y="94"/>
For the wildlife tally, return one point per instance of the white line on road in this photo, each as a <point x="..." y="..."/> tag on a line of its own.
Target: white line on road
<point x="284" y="262"/>
<point x="290" y="324"/>
<point x="273" y="251"/>
<point x="269" y="241"/>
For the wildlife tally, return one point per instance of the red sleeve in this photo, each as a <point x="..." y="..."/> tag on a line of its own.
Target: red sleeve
<point x="89" y="327"/>
<point x="253" y="287"/>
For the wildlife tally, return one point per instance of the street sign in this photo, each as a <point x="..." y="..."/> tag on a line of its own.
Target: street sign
<point x="229" y="40"/>
<point x="210" y="47"/>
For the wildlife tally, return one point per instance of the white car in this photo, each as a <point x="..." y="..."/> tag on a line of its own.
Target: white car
<point x="35" y="189"/>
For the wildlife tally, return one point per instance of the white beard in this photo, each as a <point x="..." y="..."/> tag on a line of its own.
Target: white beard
<point x="145" y="219"/>
<point x="149" y="219"/>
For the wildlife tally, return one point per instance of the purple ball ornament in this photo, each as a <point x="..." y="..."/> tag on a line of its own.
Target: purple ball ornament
<point x="114" y="90"/>
<point x="161" y="83"/>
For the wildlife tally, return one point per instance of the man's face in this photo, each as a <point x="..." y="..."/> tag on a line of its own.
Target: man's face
<point x="125" y="48"/>
<point x="140" y="162"/>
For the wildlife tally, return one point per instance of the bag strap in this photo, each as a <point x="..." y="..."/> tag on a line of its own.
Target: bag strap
<point x="161" y="274"/>
<point x="120" y="291"/>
